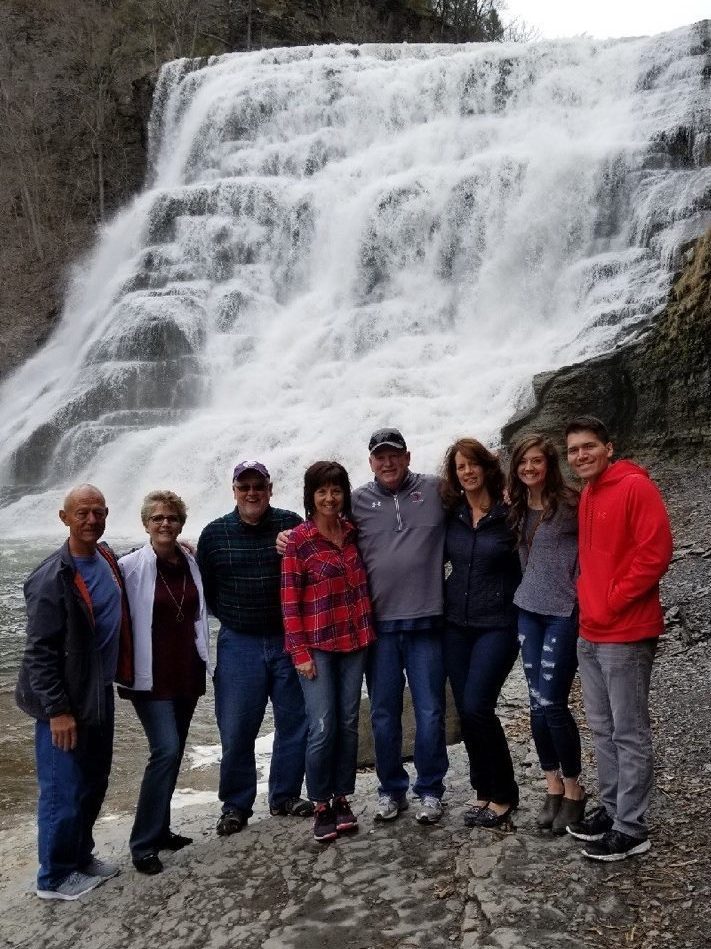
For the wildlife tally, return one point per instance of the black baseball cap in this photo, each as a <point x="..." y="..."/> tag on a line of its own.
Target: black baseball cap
<point x="387" y="436"/>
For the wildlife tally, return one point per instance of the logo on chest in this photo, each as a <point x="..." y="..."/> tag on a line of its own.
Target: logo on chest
<point x="416" y="497"/>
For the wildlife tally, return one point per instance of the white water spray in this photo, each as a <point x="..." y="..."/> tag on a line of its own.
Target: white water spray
<point x="338" y="238"/>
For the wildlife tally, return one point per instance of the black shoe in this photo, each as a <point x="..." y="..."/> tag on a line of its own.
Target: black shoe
<point x="592" y="827"/>
<point x="325" y="823"/>
<point x="615" y="846"/>
<point x="231" y="822"/>
<point x="174" y="842"/>
<point x="292" y="807"/>
<point x="150" y="864"/>
<point x="471" y="816"/>
<point x="485" y="817"/>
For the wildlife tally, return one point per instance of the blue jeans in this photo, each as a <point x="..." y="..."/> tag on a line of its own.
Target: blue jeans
<point x="549" y="656"/>
<point x="615" y="679"/>
<point x="332" y="703"/>
<point x="478" y="662"/>
<point x="250" y="671"/>
<point x="72" y="786"/>
<point x="166" y="724"/>
<point x="419" y="655"/>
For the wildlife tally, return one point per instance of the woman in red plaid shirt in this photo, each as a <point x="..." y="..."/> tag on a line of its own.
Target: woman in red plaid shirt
<point x="328" y="623"/>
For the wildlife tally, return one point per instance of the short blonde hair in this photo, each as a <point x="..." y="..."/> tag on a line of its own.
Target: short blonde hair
<point x="163" y="497"/>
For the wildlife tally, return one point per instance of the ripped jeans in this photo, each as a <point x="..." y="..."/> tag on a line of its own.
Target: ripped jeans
<point x="332" y="701"/>
<point x="548" y="654"/>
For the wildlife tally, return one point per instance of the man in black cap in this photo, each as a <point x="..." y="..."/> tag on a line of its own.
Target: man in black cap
<point x="400" y="522"/>
<point x="241" y="573"/>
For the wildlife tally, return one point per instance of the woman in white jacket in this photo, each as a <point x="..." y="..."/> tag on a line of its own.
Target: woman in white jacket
<point x="171" y="641"/>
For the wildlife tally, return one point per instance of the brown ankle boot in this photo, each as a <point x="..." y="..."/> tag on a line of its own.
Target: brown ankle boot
<point x="548" y="812"/>
<point x="570" y="813"/>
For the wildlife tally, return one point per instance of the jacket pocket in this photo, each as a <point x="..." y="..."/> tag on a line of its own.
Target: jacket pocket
<point x="594" y="586"/>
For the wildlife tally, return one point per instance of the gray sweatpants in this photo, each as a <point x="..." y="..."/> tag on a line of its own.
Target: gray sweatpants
<point x="615" y="679"/>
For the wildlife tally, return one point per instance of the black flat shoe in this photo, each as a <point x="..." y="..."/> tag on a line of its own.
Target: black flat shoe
<point x="471" y="816"/>
<point x="150" y="864"/>
<point x="174" y="842"/>
<point x="490" y="819"/>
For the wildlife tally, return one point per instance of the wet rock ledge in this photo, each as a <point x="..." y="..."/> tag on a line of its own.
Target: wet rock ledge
<point x="655" y="392"/>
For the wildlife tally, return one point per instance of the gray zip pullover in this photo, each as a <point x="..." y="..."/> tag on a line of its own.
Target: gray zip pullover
<point x="401" y="540"/>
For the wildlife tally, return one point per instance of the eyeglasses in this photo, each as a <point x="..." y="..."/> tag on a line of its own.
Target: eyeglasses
<point x="159" y="518"/>
<point x="246" y="488"/>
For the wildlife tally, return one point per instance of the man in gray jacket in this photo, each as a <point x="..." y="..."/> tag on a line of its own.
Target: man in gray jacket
<point x="401" y="527"/>
<point x="78" y="633"/>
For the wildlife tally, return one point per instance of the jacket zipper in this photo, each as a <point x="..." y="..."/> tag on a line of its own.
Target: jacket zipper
<point x="397" y="512"/>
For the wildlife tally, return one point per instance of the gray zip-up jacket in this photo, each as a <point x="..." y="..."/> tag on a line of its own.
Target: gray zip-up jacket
<point x="401" y="540"/>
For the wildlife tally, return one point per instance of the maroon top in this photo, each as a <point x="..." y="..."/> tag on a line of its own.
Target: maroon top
<point x="178" y="670"/>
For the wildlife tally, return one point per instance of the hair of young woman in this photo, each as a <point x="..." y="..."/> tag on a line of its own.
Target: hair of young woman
<point x="451" y="490"/>
<point x="169" y="498"/>
<point x="321" y="473"/>
<point x="555" y="490"/>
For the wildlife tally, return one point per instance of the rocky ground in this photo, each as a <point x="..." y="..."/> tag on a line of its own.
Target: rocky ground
<point x="401" y="886"/>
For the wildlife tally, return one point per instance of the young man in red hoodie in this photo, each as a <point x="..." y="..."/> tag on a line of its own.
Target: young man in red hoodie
<point x="625" y="547"/>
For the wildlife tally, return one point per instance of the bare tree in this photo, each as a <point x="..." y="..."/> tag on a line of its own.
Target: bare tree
<point x="469" y="20"/>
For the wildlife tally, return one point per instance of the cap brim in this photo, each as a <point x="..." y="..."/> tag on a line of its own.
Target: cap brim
<point x="389" y="445"/>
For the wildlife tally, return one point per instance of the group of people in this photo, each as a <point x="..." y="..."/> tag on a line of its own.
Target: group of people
<point x="411" y="577"/>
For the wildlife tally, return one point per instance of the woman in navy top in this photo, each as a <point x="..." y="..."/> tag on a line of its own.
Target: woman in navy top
<point x="481" y="642"/>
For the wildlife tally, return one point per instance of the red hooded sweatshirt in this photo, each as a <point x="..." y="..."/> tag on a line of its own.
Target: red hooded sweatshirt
<point x="625" y="548"/>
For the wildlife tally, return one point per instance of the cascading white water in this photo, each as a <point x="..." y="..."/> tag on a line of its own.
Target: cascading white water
<point x="337" y="238"/>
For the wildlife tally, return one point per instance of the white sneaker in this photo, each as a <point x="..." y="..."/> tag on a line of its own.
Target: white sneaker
<point x="96" y="867"/>
<point x="71" y="887"/>
<point x="389" y="807"/>
<point x="429" y="810"/>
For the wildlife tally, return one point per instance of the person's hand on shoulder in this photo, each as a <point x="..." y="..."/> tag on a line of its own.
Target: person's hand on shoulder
<point x="282" y="540"/>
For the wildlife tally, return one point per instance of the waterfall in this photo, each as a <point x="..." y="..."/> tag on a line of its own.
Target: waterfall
<point x="337" y="238"/>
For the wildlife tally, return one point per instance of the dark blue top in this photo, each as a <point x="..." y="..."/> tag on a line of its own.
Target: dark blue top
<point x="241" y="570"/>
<point x="106" y="605"/>
<point x="485" y="569"/>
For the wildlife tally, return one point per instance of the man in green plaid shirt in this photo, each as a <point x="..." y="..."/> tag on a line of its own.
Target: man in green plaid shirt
<point x="241" y="572"/>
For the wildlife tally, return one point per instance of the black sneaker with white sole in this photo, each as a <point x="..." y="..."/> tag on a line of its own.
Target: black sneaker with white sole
<point x="592" y="827"/>
<point x="615" y="846"/>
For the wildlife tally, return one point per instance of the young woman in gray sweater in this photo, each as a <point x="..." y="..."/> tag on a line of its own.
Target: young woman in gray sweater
<point x="544" y="518"/>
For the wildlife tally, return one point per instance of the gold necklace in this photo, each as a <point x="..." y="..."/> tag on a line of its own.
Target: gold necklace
<point x="180" y="616"/>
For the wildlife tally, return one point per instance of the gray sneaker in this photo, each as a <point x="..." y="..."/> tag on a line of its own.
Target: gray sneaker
<point x="389" y="807"/>
<point x="96" y="867"/>
<point x="429" y="810"/>
<point x="71" y="887"/>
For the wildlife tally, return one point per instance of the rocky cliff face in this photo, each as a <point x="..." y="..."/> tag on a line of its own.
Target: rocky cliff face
<point x="655" y="393"/>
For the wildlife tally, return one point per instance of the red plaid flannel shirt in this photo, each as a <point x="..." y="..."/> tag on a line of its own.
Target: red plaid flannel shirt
<point x="324" y="594"/>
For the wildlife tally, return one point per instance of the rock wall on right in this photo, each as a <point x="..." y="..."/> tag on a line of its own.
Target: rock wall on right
<point x="653" y="393"/>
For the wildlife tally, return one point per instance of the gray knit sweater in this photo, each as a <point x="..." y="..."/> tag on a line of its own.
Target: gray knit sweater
<point x="549" y="560"/>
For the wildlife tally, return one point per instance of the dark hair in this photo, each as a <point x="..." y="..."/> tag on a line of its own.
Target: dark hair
<point x="450" y="488"/>
<point x="588" y="423"/>
<point x="321" y="473"/>
<point x="555" y="489"/>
